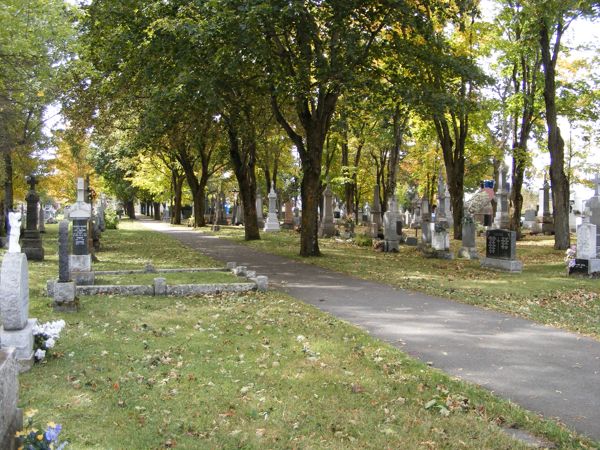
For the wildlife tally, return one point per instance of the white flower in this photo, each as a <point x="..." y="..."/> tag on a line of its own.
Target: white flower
<point x="50" y="343"/>
<point x="39" y="354"/>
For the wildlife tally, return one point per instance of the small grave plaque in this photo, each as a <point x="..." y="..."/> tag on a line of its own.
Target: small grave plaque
<point x="581" y="266"/>
<point x="500" y="244"/>
<point x="80" y="237"/>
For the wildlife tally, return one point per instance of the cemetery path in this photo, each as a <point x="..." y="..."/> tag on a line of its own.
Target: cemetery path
<point x="543" y="369"/>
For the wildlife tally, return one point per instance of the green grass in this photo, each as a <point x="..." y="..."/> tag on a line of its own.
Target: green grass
<point x="542" y="292"/>
<point x="258" y="370"/>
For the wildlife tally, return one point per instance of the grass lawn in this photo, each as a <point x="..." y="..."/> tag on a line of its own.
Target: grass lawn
<point x="257" y="370"/>
<point x="542" y="292"/>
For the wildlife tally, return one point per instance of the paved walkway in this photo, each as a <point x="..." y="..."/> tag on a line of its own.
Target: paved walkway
<point x="546" y="370"/>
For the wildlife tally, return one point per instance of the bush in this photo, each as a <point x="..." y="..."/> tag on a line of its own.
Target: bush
<point x="362" y="240"/>
<point x="111" y="219"/>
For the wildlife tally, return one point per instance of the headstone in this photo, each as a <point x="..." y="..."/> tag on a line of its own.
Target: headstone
<point x="288" y="221"/>
<point x="587" y="261"/>
<point x="500" y="251"/>
<point x="366" y="215"/>
<point x="529" y="219"/>
<point x="272" y="223"/>
<point x="440" y="212"/>
<point x="42" y="219"/>
<point x="80" y="262"/>
<point x="31" y="243"/>
<point x="297" y="216"/>
<point x="11" y="417"/>
<point x="375" y="213"/>
<point x="592" y="207"/>
<point x="502" y="219"/>
<point x="327" y="228"/>
<point x="259" y="210"/>
<point x="468" y="249"/>
<point x="440" y="241"/>
<point x="63" y="291"/>
<point x="221" y="213"/>
<point x="17" y="329"/>
<point x="425" y="222"/>
<point x="545" y="219"/>
<point x="448" y="207"/>
<point x="390" y="232"/>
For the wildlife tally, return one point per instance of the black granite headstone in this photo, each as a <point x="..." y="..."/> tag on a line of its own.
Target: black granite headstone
<point x="399" y="227"/>
<point x="581" y="266"/>
<point x="80" y="237"/>
<point x="501" y="244"/>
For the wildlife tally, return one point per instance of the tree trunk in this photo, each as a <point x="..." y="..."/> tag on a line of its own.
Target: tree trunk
<point x="518" y="171"/>
<point x="177" y="188"/>
<point x="156" y="206"/>
<point x="130" y="209"/>
<point x="8" y="183"/>
<point x="556" y="146"/>
<point x="348" y="181"/>
<point x="243" y="157"/>
<point x="309" y="191"/>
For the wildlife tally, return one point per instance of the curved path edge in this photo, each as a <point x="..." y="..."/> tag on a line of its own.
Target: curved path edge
<point x="546" y="370"/>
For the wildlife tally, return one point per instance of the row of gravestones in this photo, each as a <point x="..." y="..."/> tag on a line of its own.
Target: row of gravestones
<point x="16" y="328"/>
<point x="16" y="332"/>
<point x="587" y="261"/>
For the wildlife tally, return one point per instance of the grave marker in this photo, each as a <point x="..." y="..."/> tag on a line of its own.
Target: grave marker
<point x="500" y="251"/>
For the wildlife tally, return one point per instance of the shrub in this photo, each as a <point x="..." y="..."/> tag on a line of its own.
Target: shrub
<point x="111" y="219"/>
<point x="362" y="240"/>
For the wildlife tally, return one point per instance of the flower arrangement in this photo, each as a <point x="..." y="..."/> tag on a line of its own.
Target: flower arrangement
<point x="45" y="336"/>
<point x="33" y="439"/>
<point x="570" y="256"/>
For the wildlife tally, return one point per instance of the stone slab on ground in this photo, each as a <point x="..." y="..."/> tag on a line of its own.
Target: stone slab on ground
<point x="506" y="265"/>
<point x="546" y="370"/>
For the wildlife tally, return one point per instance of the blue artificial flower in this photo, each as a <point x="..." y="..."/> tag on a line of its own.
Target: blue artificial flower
<point x="52" y="433"/>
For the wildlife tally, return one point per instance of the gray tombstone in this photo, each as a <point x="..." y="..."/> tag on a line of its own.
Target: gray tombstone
<point x="259" y="210"/>
<point x="440" y="212"/>
<point x="545" y="218"/>
<point x="375" y="213"/>
<point x="11" y="417"/>
<point x="42" y="219"/>
<point x="17" y="328"/>
<point x="390" y="228"/>
<point x="502" y="219"/>
<point x="272" y="223"/>
<point x="468" y="249"/>
<point x="63" y="291"/>
<point x="327" y="227"/>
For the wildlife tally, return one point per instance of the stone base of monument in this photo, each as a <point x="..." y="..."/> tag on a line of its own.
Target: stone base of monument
<point x="468" y="253"/>
<point x="327" y="230"/>
<point x="390" y="246"/>
<point x="586" y="268"/>
<point x="506" y="265"/>
<point x="80" y="267"/>
<point x="31" y="245"/>
<point x="272" y="223"/>
<point x="442" y="254"/>
<point x="22" y="341"/>
<point x="11" y="417"/>
<point x="64" y="297"/>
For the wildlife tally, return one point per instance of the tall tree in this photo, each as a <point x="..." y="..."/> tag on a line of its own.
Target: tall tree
<point x="554" y="18"/>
